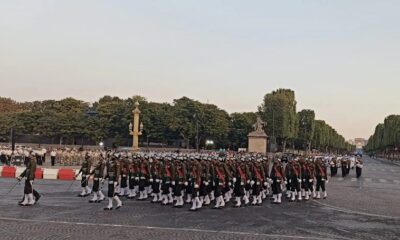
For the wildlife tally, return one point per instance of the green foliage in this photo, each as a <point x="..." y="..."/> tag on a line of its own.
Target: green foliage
<point x="386" y="136"/>
<point x="241" y="125"/>
<point x="179" y="122"/>
<point x="278" y="110"/>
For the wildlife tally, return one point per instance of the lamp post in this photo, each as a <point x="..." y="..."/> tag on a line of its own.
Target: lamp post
<point x="135" y="129"/>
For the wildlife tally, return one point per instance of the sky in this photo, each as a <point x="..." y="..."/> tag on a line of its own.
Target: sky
<point x="342" y="57"/>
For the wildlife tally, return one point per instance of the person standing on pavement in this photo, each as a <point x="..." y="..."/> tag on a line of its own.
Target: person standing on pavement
<point x="53" y="155"/>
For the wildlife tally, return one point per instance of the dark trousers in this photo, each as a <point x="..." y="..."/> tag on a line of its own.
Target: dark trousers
<point x="358" y="172"/>
<point x="53" y="160"/>
<point x="320" y="184"/>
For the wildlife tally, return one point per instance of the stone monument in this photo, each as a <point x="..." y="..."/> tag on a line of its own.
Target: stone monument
<point x="258" y="138"/>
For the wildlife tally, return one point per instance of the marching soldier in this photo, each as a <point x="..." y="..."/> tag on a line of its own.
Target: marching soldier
<point x="113" y="175"/>
<point x="359" y="166"/>
<point x="29" y="175"/>
<point x="322" y="178"/>
<point x="98" y="173"/>
<point x="334" y="167"/>
<point x="277" y="177"/>
<point x="295" y="180"/>
<point x="85" y="170"/>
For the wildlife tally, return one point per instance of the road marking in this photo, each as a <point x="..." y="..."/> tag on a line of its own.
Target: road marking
<point x="353" y="179"/>
<point x="168" y="229"/>
<point x="344" y="210"/>
<point x="382" y="180"/>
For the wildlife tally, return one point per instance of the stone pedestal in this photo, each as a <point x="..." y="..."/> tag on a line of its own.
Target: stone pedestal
<point x="257" y="142"/>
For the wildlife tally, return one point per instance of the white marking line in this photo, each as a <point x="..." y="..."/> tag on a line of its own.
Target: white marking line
<point x="354" y="179"/>
<point x="344" y="210"/>
<point x="165" y="228"/>
<point x="382" y="180"/>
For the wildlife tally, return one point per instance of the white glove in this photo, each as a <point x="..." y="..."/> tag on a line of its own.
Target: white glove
<point x="137" y="178"/>
<point x="248" y="181"/>
<point x="206" y="183"/>
<point x="151" y="180"/>
<point x="185" y="183"/>
<point x="234" y="180"/>
<point x="196" y="186"/>
<point x="31" y="181"/>
<point x="229" y="184"/>
<point x="323" y="180"/>
<point x="299" y="180"/>
<point x="265" y="184"/>
<point x="173" y="183"/>
<point x="304" y="180"/>
<point x="251" y="182"/>
<point x="327" y="181"/>
<point x="280" y="181"/>
<point x="310" y="180"/>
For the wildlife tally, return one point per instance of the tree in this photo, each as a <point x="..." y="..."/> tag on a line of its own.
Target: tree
<point x="241" y="125"/>
<point x="278" y="110"/>
<point x="306" y="123"/>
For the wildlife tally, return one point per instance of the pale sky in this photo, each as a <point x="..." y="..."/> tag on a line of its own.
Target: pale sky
<point x="341" y="57"/>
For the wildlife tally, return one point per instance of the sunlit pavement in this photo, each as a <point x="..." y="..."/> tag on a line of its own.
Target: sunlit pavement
<point x="365" y="208"/>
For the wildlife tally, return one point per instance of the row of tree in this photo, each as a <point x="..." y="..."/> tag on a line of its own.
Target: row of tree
<point x="185" y="122"/>
<point x="300" y="129"/>
<point x="386" y="137"/>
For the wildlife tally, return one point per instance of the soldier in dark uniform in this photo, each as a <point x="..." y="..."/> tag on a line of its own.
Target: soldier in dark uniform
<point x="85" y="170"/>
<point x="124" y="177"/>
<point x="113" y="175"/>
<point x="133" y="176"/>
<point x="277" y="177"/>
<point x="143" y="178"/>
<point x="334" y="167"/>
<point x="29" y="175"/>
<point x="322" y="178"/>
<point x="97" y="173"/>
<point x="359" y="166"/>
<point x="179" y="179"/>
<point x="295" y="180"/>
<point x="155" y="179"/>
<point x="166" y="174"/>
<point x="195" y="173"/>
<point x="343" y="164"/>
<point x="238" y="182"/>
<point x="257" y="171"/>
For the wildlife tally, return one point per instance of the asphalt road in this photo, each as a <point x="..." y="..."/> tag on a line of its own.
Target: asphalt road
<point x="365" y="208"/>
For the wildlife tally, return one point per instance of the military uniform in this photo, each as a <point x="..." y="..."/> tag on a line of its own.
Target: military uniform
<point x="97" y="173"/>
<point x="277" y="177"/>
<point x="29" y="175"/>
<point x="85" y="170"/>
<point x="113" y="175"/>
